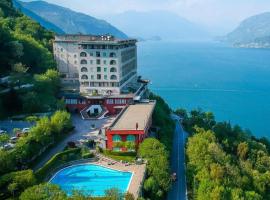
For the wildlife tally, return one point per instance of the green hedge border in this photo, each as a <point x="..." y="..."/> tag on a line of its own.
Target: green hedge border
<point x="57" y="160"/>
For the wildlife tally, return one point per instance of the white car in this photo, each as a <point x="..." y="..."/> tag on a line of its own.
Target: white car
<point x="13" y="139"/>
<point x="8" y="146"/>
<point x="2" y="131"/>
<point x="25" y="130"/>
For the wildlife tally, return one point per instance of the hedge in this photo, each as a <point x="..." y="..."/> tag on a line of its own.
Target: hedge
<point x="57" y="160"/>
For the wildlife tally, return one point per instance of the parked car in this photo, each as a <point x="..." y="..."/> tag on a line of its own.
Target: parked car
<point x="13" y="139"/>
<point x="9" y="146"/>
<point x="2" y="131"/>
<point x="25" y="130"/>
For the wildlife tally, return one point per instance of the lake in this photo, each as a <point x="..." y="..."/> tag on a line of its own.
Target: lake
<point x="233" y="83"/>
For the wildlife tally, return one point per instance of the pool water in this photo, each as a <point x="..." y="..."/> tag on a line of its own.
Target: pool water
<point x="91" y="179"/>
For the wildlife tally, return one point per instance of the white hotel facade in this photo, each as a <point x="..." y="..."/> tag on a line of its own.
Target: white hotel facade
<point x="96" y="65"/>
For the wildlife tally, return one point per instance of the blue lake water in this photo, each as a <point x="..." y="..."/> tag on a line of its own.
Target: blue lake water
<point x="91" y="179"/>
<point x="233" y="83"/>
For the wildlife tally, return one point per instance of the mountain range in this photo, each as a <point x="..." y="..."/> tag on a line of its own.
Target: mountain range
<point x="43" y="22"/>
<point x="153" y="25"/>
<point x="157" y="24"/>
<point x="64" y="20"/>
<point x="253" y="32"/>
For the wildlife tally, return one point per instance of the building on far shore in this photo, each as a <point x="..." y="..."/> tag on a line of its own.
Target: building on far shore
<point x="98" y="74"/>
<point x="131" y="125"/>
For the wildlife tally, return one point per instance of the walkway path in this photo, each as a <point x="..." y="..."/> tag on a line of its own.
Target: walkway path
<point x="179" y="189"/>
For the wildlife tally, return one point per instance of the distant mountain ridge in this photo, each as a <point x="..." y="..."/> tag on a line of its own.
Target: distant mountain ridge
<point x="43" y="22"/>
<point x="157" y="24"/>
<point x="254" y="32"/>
<point x="69" y="21"/>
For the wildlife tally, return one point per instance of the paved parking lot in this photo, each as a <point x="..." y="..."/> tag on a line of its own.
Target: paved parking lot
<point x="9" y="125"/>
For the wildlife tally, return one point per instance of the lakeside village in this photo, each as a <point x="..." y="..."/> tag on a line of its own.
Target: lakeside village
<point x="111" y="115"/>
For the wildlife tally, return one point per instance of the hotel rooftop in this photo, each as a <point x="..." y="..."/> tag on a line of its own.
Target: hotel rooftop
<point x="82" y="39"/>
<point x="134" y="117"/>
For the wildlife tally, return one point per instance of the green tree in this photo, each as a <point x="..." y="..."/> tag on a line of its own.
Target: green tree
<point x="16" y="182"/>
<point x="60" y="121"/>
<point x="3" y="139"/>
<point x="129" y="196"/>
<point x="43" y="192"/>
<point x="113" y="194"/>
<point x="242" y="150"/>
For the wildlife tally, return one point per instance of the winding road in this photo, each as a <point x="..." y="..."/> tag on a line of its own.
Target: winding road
<point x="179" y="189"/>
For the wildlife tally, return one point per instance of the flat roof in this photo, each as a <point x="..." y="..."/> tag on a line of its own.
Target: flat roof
<point x="84" y="39"/>
<point x="134" y="114"/>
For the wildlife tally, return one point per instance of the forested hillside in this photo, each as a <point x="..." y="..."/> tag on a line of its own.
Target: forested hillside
<point x="26" y="63"/>
<point x="67" y="20"/>
<point x="224" y="161"/>
<point x="253" y="32"/>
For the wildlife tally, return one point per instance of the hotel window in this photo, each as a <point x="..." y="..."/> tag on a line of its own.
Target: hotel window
<point x="131" y="138"/>
<point x="105" y="69"/>
<point x="104" y="54"/>
<point x="98" y="61"/>
<point x="83" y="54"/>
<point x="84" y="77"/>
<point x="98" y="69"/>
<point x="97" y="54"/>
<point x="117" y="138"/>
<point x="113" y="62"/>
<point x="105" y="77"/>
<point x="113" y="69"/>
<point x="113" y="77"/>
<point x="83" y="62"/>
<point x="85" y="84"/>
<point x="104" y="62"/>
<point x="91" y="54"/>
<point x="112" y="54"/>
<point x="110" y="101"/>
<point x="71" y="101"/>
<point x="84" y="69"/>
<point x="120" y="101"/>
<point x="92" y="77"/>
<point x="98" y="76"/>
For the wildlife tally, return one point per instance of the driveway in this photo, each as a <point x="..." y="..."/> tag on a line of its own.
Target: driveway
<point x="82" y="131"/>
<point x="179" y="189"/>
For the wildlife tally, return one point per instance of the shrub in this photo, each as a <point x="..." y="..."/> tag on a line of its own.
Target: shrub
<point x="158" y="181"/>
<point x="57" y="160"/>
<point x="42" y="192"/>
<point x="14" y="183"/>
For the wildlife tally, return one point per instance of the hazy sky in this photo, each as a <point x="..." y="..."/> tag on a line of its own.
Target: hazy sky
<point x="225" y="14"/>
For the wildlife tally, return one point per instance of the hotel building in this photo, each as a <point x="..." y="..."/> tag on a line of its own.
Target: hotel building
<point x="98" y="74"/>
<point x="97" y="65"/>
<point x="99" y="78"/>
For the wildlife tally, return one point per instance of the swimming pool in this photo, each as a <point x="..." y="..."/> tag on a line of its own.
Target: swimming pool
<point x="91" y="179"/>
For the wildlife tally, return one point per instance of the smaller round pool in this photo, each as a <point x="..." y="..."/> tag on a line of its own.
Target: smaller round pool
<point x="91" y="179"/>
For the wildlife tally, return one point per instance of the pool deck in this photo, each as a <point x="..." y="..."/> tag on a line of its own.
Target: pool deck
<point x="137" y="178"/>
